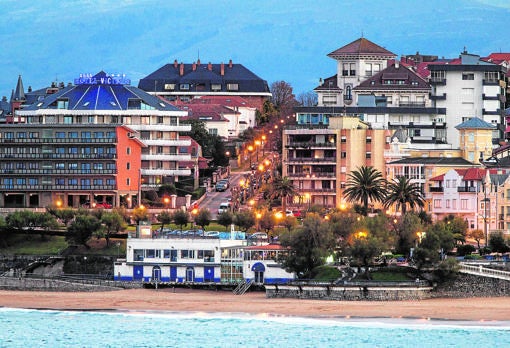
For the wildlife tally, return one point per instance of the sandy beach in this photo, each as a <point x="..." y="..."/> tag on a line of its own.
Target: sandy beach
<point x="187" y="300"/>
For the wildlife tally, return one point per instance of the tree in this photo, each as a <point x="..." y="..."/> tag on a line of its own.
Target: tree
<point x="198" y="132"/>
<point x="283" y="188"/>
<point x="245" y="220"/>
<point x="113" y="222"/>
<point x="203" y="217"/>
<point x="225" y="219"/>
<point x="289" y="222"/>
<point x="165" y="218"/>
<point x="180" y="218"/>
<point x="216" y="149"/>
<point x="307" y="98"/>
<point x="283" y="97"/>
<point x="266" y="222"/>
<point x="63" y="214"/>
<point x="402" y="192"/>
<point x="497" y="243"/>
<point x="310" y="244"/>
<point x="81" y="229"/>
<point x="140" y="214"/>
<point x="477" y="235"/>
<point x="406" y="229"/>
<point x="363" y="185"/>
<point x="457" y="226"/>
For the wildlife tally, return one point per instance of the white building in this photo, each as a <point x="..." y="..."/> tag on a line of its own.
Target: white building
<point x="469" y="87"/>
<point x="174" y="259"/>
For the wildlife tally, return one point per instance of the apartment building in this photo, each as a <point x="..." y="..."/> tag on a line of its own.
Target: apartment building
<point x="97" y="101"/>
<point x="183" y="82"/>
<point x="317" y="156"/>
<point x="469" y="87"/>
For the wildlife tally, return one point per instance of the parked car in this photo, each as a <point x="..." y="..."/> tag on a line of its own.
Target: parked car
<point x="225" y="182"/>
<point x="224" y="207"/>
<point x="213" y="234"/>
<point x="258" y="236"/>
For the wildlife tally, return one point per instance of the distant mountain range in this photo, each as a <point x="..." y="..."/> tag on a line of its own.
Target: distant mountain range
<point x="278" y="40"/>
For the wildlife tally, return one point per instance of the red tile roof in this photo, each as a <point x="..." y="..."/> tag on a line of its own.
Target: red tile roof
<point x="361" y="46"/>
<point x="229" y="101"/>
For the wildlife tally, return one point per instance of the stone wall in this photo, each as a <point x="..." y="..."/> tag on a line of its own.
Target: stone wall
<point x="463" y="286"/>
<point x="467" y="285"/>
<point x="348" y="293"/>
<point x="34" y="284"/>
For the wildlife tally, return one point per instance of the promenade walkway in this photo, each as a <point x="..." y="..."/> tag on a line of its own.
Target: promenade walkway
<point x="479" y="270"/>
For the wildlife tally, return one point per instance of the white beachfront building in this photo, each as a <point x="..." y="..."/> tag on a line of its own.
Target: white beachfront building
<point x="171" y="258"/>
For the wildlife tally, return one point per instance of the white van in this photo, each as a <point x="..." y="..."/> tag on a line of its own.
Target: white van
<point x="225" y="206"/>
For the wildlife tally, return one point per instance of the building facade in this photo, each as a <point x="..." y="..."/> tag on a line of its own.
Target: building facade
<point x="82" y="125"/>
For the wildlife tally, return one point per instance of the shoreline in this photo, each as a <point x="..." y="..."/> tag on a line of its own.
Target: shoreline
<point x="481" y="310"/>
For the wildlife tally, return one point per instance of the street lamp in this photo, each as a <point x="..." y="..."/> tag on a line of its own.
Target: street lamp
<point x="167" y="201"/>
<point x="309" y="200"/>
<point x="250" y="150"/>
<point x="263" y="145"/>
<point x="257" y="144"/>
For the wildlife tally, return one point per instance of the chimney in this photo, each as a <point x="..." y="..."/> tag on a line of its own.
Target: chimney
<point x="181" y="69"/>
<point x="175" y="64"/>
<point x="194" y="66"/>
<point x="222" y="69"/>
<point x="209" y="66"/>
<point x="396" y="64"/>
<point x="230" y="63"/>
<point x="198" y="62"/>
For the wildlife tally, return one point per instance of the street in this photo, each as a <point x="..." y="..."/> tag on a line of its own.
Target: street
<point x="214" y="199"/>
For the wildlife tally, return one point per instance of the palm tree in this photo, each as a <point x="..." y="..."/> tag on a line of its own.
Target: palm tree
<point x="402" y="192"/>
<point x="283" y="188"/>
<point x="365" y="184"/>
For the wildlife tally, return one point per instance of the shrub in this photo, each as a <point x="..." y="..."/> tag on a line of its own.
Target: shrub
<point x="466" y="249"/>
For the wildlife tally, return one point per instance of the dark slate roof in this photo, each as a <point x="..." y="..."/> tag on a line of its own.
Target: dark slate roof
<point x="440" y="161"/>
<point x="19" y="93"/>
<point x="95" y="94"/>
<point x="359" y="47"/>
<point x="475" y="123"/>
<point x="329" y="84"/>
<point x="394" y="73"/>
<point x="206" y="75"/>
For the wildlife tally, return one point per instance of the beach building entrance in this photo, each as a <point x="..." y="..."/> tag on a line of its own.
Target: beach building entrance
<point x="173" y="274"/>
<point x="138" y="272"/>
<point x="156" y="273"/>
<point x="258" y="269"/>
<point x="208" y="274"/>
<point x="190" y="274"/>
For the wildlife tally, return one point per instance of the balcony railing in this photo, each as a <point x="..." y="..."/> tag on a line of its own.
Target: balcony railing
<point x="313" y="175"/>
<point x="307" y="144"/>
<point x="93" y="156"/>
<point x="51" y="187"/>
<point x="58" y="171"/>
<point x="411" y="104"/>
<point x="436" y="189"/>
<point x="312" y="159"/>
<point x="59" y="140"/>
<point x="466" y="189"/>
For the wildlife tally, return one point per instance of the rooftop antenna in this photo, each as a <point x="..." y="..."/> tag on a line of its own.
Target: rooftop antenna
<point x="198" y="54"/>
<point x="362" y="33"/>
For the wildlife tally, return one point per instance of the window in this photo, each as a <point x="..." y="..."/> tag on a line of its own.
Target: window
<point x="232" y="87"/>
<point x="213" y="131"/>
<point x="60" y="165"/>
<point x="368" y="69"/>
<point x="22" y="135"/>
<point x="128" y="150"/>
<point x="345" y="69"/>
<point x="68" y="119"/>
<point x="348" y="93"/>
<point x="72" y="135"/>
<point x="98" y="182"/>
<point x="33" y="181"/>
<point x="437" y="203"/>
<point x="369" y="140"/>
<point x="454" y="204"/>
<point x="463" y="204"/>
<point x="368" y="155"/>
<point x="73" y="165"/>
<point x="128" y="181"/>
<point x="343" y="139"/>
<point x="352" y="71"/>
<point x="60" y="181"/>
<point x="128" y="166"/>
<point x="447" y="203"/>
<point x="468" y="76"/>
<point x="343" y="154"/>
<point x="187" y="254"/>
<point x="72" y="182"/>
<point x="60" y="135"/>
<point x="169" y="86"/>
<point x="21" y="181"/>
<point x="216" y="87"/>
<point x="184" y="86"/>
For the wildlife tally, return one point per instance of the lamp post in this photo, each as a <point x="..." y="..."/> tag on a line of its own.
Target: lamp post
<point x="250" y="150"/>
<point x="257" y="144"/>
<point x="486" y="202"/>
<point x="263" y="145"/>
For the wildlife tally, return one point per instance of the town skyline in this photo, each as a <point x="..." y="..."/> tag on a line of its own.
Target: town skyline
<point x="276" y="40"/>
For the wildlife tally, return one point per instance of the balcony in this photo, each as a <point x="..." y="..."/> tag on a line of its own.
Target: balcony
<point x="312" y="175"/>
<point x="437" y="97"/>
<point x="59" y="140"/>
<point x="309" y="145"/>
<point x="166" y="157"/>
<point x="52" y="171"/>
<point x="166" y="172"/>
<point x="161" y="127"/>
<point x="411" y="104"/>
<point x="490" y="82"/>
<point x="58" y="188"/>
<point x="312" y="159"/>
<point x="487" y="112"/>
<point x="166" y="142"/>
<point x="466" y="189"/>
<point x="437" y="81"/>
<point x="436" y="189"/>
<point x="491" y="97"/>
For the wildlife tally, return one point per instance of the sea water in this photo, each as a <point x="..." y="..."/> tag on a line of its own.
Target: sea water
<point x="49" y="328"/>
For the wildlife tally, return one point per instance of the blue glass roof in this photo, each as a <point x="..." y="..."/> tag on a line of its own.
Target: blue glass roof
<point x="100" y="92"/>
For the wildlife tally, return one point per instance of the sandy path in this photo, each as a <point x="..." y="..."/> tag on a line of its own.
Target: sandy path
<point x="478" y="309"/>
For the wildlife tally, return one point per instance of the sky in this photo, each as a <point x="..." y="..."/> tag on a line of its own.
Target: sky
<point x="52" y="40"/>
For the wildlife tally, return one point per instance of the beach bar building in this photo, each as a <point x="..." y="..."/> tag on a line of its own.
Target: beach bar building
<point x="172" y="258"/>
